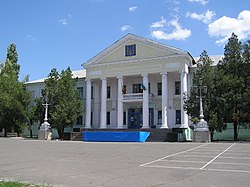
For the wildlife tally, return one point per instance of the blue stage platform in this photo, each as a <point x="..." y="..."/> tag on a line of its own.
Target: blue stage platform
<point x="116" y="136"/>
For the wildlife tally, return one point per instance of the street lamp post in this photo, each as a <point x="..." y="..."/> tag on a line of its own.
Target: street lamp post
<point x="201" y="131"/>
<point x="45" y="129"/>
<point x="202" y="124"/>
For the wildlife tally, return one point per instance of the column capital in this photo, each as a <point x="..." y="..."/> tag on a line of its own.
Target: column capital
<point x="144" y="75"/>
<point x="164" y="73"/>
<point x="120" y="77"/>
<point x="103" y="78"/>
<point x="184" y="70"/>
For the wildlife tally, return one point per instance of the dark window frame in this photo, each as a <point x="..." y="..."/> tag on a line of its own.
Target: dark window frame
<point x="108" y="118"/>
<point x="108" y="92"/>
<point x="177" y="88"/>
<point x="177" y="116"/>
<point x="159" y="88"/>
<point x="130" y="50"/>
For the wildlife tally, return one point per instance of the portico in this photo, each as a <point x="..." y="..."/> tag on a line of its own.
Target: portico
<point x="137" y="83"/>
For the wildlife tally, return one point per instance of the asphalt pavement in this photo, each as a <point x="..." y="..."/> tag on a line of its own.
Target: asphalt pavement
<point x="66" y="163"/>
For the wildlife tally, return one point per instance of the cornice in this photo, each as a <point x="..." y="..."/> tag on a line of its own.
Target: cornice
<point x="141" y="60"/>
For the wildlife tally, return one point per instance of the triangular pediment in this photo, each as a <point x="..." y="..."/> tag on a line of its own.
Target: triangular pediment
<point x="144" y="49"/>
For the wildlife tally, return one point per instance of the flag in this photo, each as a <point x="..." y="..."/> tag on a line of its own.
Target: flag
<point x="142" y="86"/>
<point x="123" y="89"/>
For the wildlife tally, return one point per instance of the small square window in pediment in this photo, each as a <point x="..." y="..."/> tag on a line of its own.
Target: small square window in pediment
<point x="130" y="50"/>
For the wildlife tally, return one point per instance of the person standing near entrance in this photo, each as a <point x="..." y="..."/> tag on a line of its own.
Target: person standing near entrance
<point x="132" y="121"/>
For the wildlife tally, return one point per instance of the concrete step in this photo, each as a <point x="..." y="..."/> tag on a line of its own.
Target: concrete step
<point x="12" y="134"/>
<point x="76" y="136"/>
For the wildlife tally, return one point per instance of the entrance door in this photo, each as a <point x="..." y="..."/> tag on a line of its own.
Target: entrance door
<point x="134" y="118"/>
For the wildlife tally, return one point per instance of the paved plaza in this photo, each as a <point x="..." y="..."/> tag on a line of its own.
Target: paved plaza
<point x="62" y="163"/>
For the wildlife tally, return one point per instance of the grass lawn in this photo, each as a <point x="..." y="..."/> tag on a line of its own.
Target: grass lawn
<point x="17" y="184"/>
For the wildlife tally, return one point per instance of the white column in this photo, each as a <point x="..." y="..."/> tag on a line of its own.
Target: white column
<point x="184" y="116"/>
<point x="145" y="103"/>
<point x="119" y="103"/>
<point x="88" y="104"/>
<point x="104" y="104"/>
<point x="164" y="100"/>
<point x="96" y="104"/>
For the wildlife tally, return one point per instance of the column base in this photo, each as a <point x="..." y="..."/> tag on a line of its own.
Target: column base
<point x="120" y="127"/>
<point x="184" y="126"/>
<point x="164" y="127"/>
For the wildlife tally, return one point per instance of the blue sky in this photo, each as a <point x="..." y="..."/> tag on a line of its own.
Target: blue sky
<point x="62" y="33"/>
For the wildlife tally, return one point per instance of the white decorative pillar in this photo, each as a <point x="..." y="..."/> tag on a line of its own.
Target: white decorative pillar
<point x="184" y="116"/>
<point x="164" y="100"/>
<point x="88" y="104"/>
<point x="96" y="104"/>
<point x="120" y="103"/>
<point x="104" y="104"/>
<point x="145" y="103"/>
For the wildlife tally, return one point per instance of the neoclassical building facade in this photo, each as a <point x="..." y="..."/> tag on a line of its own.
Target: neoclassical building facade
<point x="137" y="83"/>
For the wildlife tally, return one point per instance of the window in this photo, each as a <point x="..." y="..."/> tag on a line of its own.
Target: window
<point x="159" y="88"/>
<point x="130" y="50"/>
<point x="91" y="119"/>
<point x="124" y="118"/>
<point x="108" y="91"/>
<point x="79" y="120"/>
<point x="137" y="88"/>
<point x="108" y="118"/>
<point x="159" y="117"/>
<point x="177" y="88"/>
<point x="80" y="89"/>
<point x="33" y="97"/>
<point x="92" y="92"/>
<point x="177" y="117"/>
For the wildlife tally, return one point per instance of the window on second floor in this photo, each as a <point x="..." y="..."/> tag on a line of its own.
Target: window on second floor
<point x="137" y="88"/>
<point x="108" y="91"/>
<point x="159" y="88"/>
<point x="177" y="87"/>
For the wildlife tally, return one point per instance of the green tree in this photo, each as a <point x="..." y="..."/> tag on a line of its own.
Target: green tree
<point x="13" y="94"/>
<point x="246" y="95"/>
<point x="211" y="103"/>
<point x="232" y="85"/>
<point x="65" y="104"/>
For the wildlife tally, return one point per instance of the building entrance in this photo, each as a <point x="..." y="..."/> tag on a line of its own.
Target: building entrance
<point x="135" y="118"/>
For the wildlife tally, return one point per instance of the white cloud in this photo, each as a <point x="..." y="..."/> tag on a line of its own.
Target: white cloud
<point x="173" y="2"/>
<point x="205" y="17"/>
<point x="203" y="2"/>
<point x="63" y="21"/>
<point x="132" y="9"/>
<point x="31" y="37"/>
<point x="126" y="28"/>
<point x="159" y="24"/>
<point x="223" y="27"/>
<point x="178" y="32"/>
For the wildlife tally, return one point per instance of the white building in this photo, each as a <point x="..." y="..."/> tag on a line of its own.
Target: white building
<point x="135" y="83"/>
